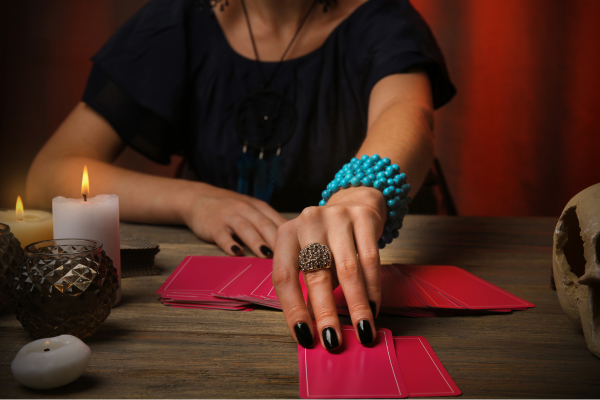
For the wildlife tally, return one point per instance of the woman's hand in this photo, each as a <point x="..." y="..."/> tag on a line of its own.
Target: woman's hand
<point x="350" y="225"/>
<point x="222" y="216"/>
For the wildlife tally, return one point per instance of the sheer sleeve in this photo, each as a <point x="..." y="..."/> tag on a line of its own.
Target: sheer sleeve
<point x="138" y="79"/>
<point x="393" y="38"/>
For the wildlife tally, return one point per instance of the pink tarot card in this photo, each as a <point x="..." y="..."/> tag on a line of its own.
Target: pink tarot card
<point x="354" y="371"/>
<point x="464" y="288"/>
<point x="246" y="282"/>
<point x="247" y="308"/>
<point x="200" y="275"/>
<point x="423" y="373"/>
<point x="397" y="291"/>
<point x="267" y="290"/>
<point x="199" y="298"/>
<point x="203" y="306"/>
<point x="431" y="297"/>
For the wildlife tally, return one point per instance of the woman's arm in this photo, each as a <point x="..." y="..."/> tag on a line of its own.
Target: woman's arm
<point x="400" y="127"/>
<point x="86" y="138"/>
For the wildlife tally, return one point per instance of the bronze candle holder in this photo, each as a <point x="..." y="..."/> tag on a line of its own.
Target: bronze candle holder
<point x="65" y="286"/>
<point x="11" y="257"/>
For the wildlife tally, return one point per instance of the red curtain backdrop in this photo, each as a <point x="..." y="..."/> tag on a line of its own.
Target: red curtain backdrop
<point x="519" y="139"/>
<point x="522" y="135"/>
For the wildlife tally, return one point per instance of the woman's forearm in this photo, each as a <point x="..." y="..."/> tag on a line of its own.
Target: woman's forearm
<point x="86" y="138"/>
<point x="143" y="198"/>
<point x="403" y="132"/>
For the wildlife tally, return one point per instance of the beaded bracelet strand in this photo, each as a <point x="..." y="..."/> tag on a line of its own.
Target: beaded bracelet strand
<point x="381" y="174"/>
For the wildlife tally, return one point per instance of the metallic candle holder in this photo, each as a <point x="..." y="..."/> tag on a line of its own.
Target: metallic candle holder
<point x="11" y="258"/>
<point x="65" y="286"/>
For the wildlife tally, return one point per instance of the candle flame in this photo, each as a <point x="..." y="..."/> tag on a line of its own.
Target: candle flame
<point x="85" y="184"/>
<point x="19" y="210"/>
<point x="47" y="342"/>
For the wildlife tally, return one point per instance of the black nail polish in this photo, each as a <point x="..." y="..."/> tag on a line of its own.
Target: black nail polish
<point x="373" y="308"/>
<point x="236" y="250"/>
<point x="266" y="251"/>
<point x="303" y="335"/>
<point x="330" y="338"/>
<point x="364" y="332"/>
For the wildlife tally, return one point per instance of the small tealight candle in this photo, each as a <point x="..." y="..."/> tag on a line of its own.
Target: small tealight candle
<point x="29" y="226"/>
<point x="52" y="362"/>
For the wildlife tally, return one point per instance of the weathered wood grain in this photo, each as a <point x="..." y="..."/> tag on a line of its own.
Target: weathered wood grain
<point x="148" y="350"/>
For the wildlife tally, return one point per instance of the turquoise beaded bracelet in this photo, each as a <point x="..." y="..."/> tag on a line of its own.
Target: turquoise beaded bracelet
<point x="381" y="174"/>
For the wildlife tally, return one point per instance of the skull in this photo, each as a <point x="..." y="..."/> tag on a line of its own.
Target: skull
<point x="576" y="264"/>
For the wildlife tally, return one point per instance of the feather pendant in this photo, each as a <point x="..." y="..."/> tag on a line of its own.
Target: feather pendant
<point x="261" y="180"/>
<point x="245" y="165"/>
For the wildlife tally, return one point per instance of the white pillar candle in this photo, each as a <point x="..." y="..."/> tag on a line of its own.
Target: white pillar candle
<point x="97" y="219"/>
<point x="50" y="363"/>
<point x="29" y="226"/>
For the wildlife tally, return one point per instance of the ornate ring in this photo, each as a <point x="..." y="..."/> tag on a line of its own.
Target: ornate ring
<point x="313" y="257"/>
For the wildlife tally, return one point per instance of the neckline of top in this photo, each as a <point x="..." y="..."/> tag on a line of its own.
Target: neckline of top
<point x="290" y="60"/>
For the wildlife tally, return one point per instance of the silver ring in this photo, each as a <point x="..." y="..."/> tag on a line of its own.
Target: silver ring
<point x="313" y="257"/>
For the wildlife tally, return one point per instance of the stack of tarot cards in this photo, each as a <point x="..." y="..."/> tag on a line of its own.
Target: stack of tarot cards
<point x="236" y="283"/>
<point x="429" y="290"/>
<point x="226" y="283"/>
<point x="391" y="367"/>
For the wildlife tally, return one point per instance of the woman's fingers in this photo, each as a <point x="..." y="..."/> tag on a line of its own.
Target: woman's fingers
<point x="225" y="241"/>
<point x="367" y="229"/>
<point x="350" y="275"/>
<point x="264" y="225"/>
<point x="287" y="286"/>
<point x="250" y="234"/>
<point x="269" y="212"/>
<point x="319" y="283"/>
<point x="232" y="222"/>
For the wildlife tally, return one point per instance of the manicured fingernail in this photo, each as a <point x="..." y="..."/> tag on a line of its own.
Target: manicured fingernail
<point x="373" y="308"/>
<point x="303" y="335"/>
<point x="266" y="251"/>
<point x="330" y="338"/>
<point x="236" y="250"/>
<point x="364" y="332"/>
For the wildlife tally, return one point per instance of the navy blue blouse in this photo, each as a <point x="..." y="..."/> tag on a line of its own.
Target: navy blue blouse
<point x="169" y="83"/>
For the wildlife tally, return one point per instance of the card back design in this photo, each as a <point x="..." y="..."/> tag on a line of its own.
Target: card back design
<point x="353" y="371"/>
<point x="423" y="373"/>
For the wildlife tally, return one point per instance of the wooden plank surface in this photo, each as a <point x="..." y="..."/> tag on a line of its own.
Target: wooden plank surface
<point x="148" y="350"/>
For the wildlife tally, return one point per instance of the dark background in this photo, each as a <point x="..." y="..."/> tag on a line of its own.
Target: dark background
<point x="520" y="138"/>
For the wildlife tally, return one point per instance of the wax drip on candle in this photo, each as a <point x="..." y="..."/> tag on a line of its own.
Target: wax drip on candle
<point x="20" y="211"/>
<point x="85" y="184"/>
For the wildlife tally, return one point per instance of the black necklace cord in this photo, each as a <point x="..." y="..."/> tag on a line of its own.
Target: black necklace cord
<point x="266" y="82"/>
<point x="252" y="40"/>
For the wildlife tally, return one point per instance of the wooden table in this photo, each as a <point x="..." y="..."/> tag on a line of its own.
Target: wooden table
<point x="146" y="349"/>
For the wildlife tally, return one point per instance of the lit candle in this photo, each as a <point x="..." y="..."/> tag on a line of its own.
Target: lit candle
<point x="50" y="363"/>
<point x="29" y="226"/>
<point x="94" y="218"/>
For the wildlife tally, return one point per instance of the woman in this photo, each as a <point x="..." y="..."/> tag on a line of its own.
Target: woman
<point x="263" y="97"/>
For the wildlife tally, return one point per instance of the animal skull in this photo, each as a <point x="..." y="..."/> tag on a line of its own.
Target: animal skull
<point x="576" y="263"/>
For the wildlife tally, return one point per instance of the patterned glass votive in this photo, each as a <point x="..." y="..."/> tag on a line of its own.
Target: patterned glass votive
<point x="11" y="257"/>
<point x="65" y="286"/>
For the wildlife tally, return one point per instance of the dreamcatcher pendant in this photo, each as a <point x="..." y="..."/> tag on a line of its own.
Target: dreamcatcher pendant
<point x="264" y="121"/>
